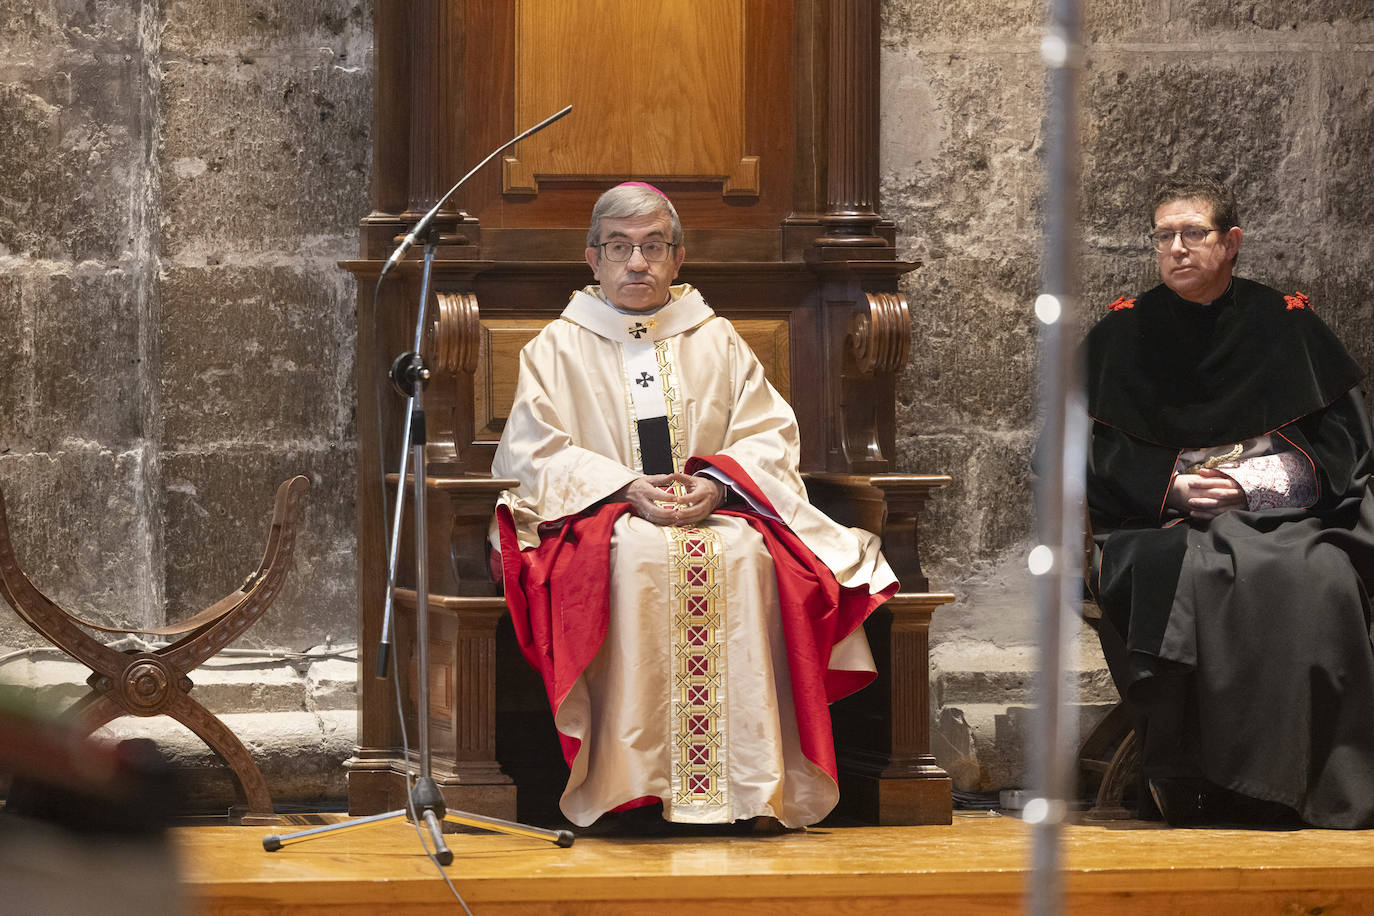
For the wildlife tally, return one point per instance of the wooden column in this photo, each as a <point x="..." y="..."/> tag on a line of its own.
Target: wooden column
<point x="390" y="194"/>
<point x="428" y="73"/>
<point x="438" y="117"/>
<point x="464" y="609"/>
<point x="462" y="703"/>
<point x="882" y="733"/>
<point x="418" y="121"/>
<point x="851" y="217"/>
<point x="390" y="129"/>
<point x="887" y="774"/>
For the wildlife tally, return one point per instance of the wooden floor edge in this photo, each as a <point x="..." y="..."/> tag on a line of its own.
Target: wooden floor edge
<point x="793" y="886"/>
<point x="975" y="865"/>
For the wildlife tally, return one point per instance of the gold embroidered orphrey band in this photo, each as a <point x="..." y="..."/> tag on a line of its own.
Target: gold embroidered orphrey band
<point x="697" y="708"/>
<point x="697" y="632"/>
<point x="673" y="402"/>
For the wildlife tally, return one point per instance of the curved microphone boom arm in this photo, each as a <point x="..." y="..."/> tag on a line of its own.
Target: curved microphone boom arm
<point x="417" y="374"/>
<point x="413" y="236"/>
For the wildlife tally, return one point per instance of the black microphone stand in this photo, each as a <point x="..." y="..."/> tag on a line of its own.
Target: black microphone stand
<point x="409" y="375"/>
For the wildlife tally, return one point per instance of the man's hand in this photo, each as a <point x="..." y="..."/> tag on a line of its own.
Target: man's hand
<point x="650" y="501"/>
<point x="702" y="497"/>
<point x="1205" y="495"/>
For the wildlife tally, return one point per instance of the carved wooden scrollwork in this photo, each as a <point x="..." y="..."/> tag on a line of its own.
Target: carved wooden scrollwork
<point x="457" y="333"/>
<point x="881" y="338"/>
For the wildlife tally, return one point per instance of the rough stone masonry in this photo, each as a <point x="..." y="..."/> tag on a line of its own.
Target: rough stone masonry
<point x="178" y="179"/>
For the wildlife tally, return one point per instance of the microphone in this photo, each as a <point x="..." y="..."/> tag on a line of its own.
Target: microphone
<point x="423" y="224"/>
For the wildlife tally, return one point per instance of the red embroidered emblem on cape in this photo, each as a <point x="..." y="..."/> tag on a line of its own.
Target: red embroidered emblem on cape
<point x="1122" y="303"/>
<point x="1296" y="301"/>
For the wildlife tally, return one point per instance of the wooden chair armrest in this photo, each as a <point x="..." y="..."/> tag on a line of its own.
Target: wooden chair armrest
<point x="889" y="505"/>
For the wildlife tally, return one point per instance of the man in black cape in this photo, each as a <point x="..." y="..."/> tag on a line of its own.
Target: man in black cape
<point x="1228" y="488"/>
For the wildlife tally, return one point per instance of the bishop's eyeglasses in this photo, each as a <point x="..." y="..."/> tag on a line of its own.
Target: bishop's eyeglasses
<point x="621" y="250"/>
<point x="1193" y="236"/>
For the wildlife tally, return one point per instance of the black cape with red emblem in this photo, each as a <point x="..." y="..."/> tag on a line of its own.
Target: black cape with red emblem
<point x="1266" y="612"/>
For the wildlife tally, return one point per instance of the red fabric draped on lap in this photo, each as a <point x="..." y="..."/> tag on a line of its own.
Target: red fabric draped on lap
<point x="817" y="612"/>
<point x="558" y="594"/>
<point x="559" y="598"/>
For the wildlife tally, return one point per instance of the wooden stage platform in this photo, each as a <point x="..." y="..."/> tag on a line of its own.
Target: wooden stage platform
<point x="976" y="866"/>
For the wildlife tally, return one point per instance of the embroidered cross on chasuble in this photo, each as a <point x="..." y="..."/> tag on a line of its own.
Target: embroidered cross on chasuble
<point x="691" y="665"/>
<point x="657" y="408"/>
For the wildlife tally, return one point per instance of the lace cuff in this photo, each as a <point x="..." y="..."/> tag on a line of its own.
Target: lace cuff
<point x="1281" y="481"/>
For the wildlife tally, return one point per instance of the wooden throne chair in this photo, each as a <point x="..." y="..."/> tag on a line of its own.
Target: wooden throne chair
<point x="759" y="119"/>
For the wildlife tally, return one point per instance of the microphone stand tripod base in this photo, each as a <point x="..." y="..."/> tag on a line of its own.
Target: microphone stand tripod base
<point x="429" y="807"/>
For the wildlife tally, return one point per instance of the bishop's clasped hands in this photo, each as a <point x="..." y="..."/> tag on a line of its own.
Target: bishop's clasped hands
<point x="654" y="498"/>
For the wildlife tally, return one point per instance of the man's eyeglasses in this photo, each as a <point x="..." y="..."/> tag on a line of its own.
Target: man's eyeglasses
<point x="623" y="251"/>
<point x="1193" y="236"/>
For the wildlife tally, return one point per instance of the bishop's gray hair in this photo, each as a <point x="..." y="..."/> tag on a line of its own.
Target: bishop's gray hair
<point x="628" y="200"/>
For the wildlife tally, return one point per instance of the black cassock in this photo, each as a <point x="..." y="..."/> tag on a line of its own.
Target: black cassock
<point x="1258" y="621"/>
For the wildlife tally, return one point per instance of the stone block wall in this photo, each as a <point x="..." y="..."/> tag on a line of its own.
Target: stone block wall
<point x="179" y="177"/>
<point x="78" y="294"/>
<point x="1277" y="96"/>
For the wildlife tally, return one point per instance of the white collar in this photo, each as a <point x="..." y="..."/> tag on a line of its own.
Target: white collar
<point x="685" y="309"/>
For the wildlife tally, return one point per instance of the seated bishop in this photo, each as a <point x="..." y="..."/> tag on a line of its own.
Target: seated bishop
<point x="691" y="614"/>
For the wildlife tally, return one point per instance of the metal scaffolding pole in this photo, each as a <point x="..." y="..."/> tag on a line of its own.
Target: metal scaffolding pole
<point x="1056" y="560"/>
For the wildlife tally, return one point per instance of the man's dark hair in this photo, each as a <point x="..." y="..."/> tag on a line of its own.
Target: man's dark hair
<point x="1186" y="186"/>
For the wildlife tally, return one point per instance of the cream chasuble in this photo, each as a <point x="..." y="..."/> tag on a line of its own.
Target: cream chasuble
<point x="689" y="698"/>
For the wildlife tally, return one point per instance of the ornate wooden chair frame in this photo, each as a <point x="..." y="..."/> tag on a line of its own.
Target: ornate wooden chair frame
<point x="784" y="232"/>
<point x="158" y="682"/>
<point x="888" y="775"/>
